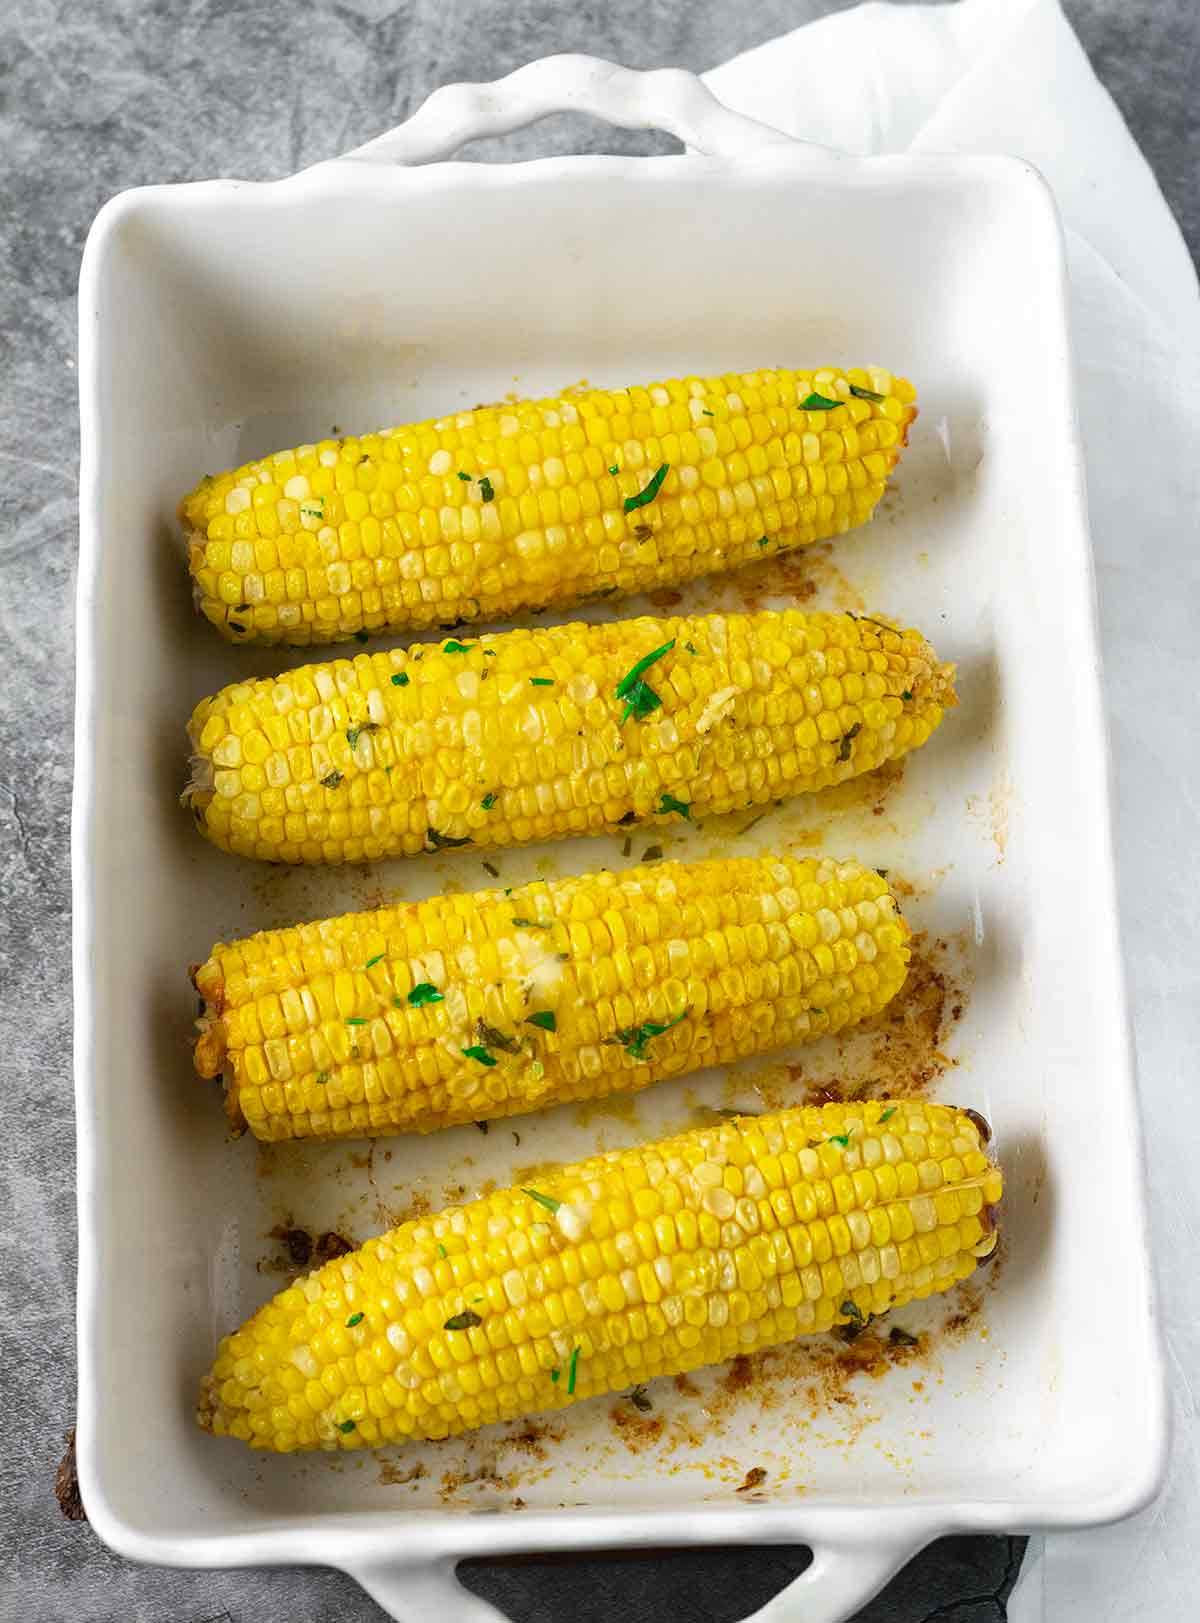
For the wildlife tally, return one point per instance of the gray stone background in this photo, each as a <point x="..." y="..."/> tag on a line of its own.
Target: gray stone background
<point x="99" y="95"/>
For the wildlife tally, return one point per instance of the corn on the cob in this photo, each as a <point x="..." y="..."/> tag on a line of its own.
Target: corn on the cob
<point x="637" y="1263"/>
<point x="534" y="734"/>
<point x="467" y="1007"/>
<point x="505" y="508"/>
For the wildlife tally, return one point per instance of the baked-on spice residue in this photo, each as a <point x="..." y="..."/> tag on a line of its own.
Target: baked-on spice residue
<point x="755" y="1477"/>
<point x="303" y="1249"/>
<point x="66" y="1484"/>
<point x="398" y="1476"/>
<point x="637" y="1431"/>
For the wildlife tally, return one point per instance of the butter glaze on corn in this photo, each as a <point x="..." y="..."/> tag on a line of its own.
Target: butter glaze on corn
<point x="380" y="532"/>
<point x="521" y="735"/>
<point x="658" y="1260"/>
<point x="318" y="1035"/>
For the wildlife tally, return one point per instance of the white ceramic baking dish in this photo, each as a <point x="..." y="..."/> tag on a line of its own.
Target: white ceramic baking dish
<point x="225" y="319"/>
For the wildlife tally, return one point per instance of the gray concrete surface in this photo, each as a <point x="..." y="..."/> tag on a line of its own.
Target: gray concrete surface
<point x="98" y="95"/>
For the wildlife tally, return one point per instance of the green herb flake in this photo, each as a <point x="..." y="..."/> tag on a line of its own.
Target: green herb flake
<point x="347" y="1426"/>
<point x="571" y="1371"/>
<point x="704" y="412"/>
<point x="400" y="680"/>
<point x="441" y="1250"/>
<point x="764" y="541"/>
<point x="839" y="1138"/>
<point x="545" y="1019"/>
<point x="548" y="1201"/>
<point x="441" y="842"/>
<point x="488" y="868"/>
<point x="865" y="394"/>
<point x="488" y="801"/>
<point x="353" y="734"/>
<point x="466" y="1320"/>
<point x="424" y="992"/>
<point x="851" y="1310"/>
<point x="235" y="625"/>
<point x="843" y="753"/>
<point x="651" y="489"/>
<point x="614" y="469"/>
<point x="634" y="1038"/>
<point x="883" y="872"/>
<point x="887" y="1114"/>
<point x="378" y="959"/>
<point x="486" y="489"/>
<point x="639" y="1397"/>
<point x="640" y="698"/>
<point x="627" y="845"/>
<point x="491" y="1037"/>
<point x="355" y="1020"/>
<point x="465" y="477"/>
<point x="531" y="924"/>
<point x="668" y="803"/>
<point x="652" y="853"/>
<point x="481" y="1054"/>
<point x="556" y="1375"/>
<point x="355" y="1318"/>
<point x="242" y="608"/>
<point x="361" y="636"/>
<point x="689" y="648"/>
<point x="541" y="681"/>
<point x="453" y="647"/>
<point x="322" y="1077"/>
<point x="906" y="695"/>
<point x="818" y="402"/>
<point x="313" y="509"/>
<point x="483" y="1127"/>
<point x="902" y="1338"/>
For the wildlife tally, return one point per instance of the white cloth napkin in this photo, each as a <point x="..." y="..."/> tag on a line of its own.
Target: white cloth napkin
<point x="1010" y="76"/>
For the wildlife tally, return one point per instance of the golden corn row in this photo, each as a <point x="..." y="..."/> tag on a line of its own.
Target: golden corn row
<point x="513" y="507"/>
<point x="468" y="1007"/>
<point x="535" y="734"/>
<point x="637" y="1263"/>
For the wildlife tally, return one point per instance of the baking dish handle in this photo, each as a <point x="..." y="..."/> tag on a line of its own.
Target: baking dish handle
<point x="664" y="98"/>
<point x="838" y="1581"/>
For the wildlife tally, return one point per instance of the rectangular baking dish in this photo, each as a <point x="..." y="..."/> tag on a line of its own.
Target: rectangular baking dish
<point x="222" y="320"/>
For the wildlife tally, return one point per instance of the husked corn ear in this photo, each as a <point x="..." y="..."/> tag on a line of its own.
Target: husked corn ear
<point x="522" y="506"/>
<point x="535" y="734"/>
<point x="637" y="1263"/>
<point x="467" y="1007"/>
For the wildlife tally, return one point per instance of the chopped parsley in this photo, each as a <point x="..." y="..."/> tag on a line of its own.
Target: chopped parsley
<point x="465" y="477"/>
<point x="818" y="402"/>
<point x="488" y="801"/>
<point x="634" y="1038"/>
<point x="906" y="695"/>
<point x="450" y="646"/>
<point x="331" y="780"/>
<point x="556" y="1375"/>
<point x="652" y="853"/>
<point x="541" y="681"/>
<point x="627" y="845"/>
<point x="668" y="803"/>
<point x="851" y="1310"/>
<point x="639" y="1397"/>
<point x="442" y="1252"/>
<point x="614" y="469"/>
<point x="545" y="1018"/>
<point x="764" y="541"/>
<point x="400" y="680"/>
<point x="650" y="491"/>
<point x="466" y="1320"/>
<point x="378" y="959"/>
<point x="839" y="1138"/>
<point x="322" y="1077"/>
<point x="424" y="992"/>
<point x="887" y="1115"/>
<point x="355" y="1318"/>
<point x="313" y="509"/>
<point x="865" y="394"/>
<point x="477" y="1052"/>
<point x="353" y="734"/>
<point x="493" y="1038"/>
<point x="347" y="1426"/>
<point x="689" y="648"/>
<point x="486" y="490"/>
<point x="704" y="412"/>
<point x="902" y="1338"/>
<point x="548" y="1201"/>
<point x="445" y="841"/>
<point x="844" y="743"/>
<point x="355" y="1020"/>
<point x="235" y="625"/>
<point x="488" y="868"/>
<point x="361" y="636"/>
<point x="572" y="1367"/>
<point x="483" y="1127"/>
<point x="532" y="924"/>
<point x="641" y="699"/>
<point x="882" y="872"/>
<point x="242" y="608"/>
